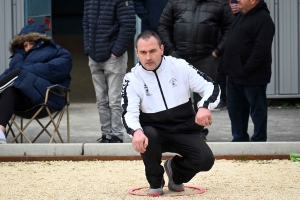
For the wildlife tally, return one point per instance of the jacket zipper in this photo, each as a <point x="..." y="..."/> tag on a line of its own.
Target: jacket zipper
<point x="162" y="94"/>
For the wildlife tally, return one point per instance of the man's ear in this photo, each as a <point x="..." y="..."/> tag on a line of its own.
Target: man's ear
<point x="136" y="52"/>
<point x="162" y="48"/>
<point x="254" y="2"/>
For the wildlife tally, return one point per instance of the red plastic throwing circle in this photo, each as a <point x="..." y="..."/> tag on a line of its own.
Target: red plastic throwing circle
<point x="198" y="190"/>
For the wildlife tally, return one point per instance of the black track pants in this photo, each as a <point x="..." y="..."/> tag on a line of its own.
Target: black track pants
<point x="11" y="98"/>
<point x="196" y="155"/>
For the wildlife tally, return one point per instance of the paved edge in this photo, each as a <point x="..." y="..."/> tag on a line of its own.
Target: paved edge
<point x="129" y="158"/>
<point x="95" y="151"/>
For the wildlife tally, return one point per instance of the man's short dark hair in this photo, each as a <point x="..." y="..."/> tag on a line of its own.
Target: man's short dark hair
<point x="146" y="35"/>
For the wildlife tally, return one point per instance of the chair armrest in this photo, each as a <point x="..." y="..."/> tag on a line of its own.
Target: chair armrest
<point x="58" y="90"/>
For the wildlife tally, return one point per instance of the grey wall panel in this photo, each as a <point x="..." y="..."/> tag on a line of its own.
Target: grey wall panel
<point x="271" y="89"/>
<point x="288" y="47"/>
<point x="12" y="20"/>
<point x="5" y="32"/>
<point x="18" y="13"/>
<point x="299" y="46"/>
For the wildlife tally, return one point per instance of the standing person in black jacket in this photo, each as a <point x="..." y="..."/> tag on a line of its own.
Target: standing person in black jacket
<point x="109" y="29"/>
<point x="221" y="75"/>
<point x="247" y="61"/>
<point x="189" y="29"/>
<point x="149" y="11"/>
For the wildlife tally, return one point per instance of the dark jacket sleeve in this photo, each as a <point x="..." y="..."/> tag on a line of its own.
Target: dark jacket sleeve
<point x="263" y="37"/>
<point x="126" y="18"/>
<point x="165" y="29"/>
<point x="141" y="10"/>
<point x="85" y="26"/>
<point x="228" y="18"/>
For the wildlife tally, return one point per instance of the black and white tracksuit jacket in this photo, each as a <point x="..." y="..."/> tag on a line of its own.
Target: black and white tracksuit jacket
<point x="161" y="98"/>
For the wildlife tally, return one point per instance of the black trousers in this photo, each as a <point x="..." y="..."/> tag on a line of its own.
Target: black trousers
<point x="196" y="155"/>
<point x="11" y="98"/>
<point x="221" y="79"/>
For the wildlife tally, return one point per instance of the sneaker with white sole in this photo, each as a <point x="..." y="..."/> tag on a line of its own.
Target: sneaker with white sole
<point x="155" y="192"/>
<point x="2" y="141"/>
<point x="171" y="185"/>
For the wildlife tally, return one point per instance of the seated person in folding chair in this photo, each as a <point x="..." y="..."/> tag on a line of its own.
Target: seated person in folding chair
<point x="36" y="63"/>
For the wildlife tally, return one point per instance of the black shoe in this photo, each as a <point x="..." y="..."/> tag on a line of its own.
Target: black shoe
<point x="203" y="133"/>
<point x="115" y="139"/>
<point x="221" y="106"/>
<point x="103" y="139"/>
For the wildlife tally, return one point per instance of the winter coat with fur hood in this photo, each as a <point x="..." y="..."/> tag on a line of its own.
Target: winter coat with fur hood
<point x="45" y="64"/>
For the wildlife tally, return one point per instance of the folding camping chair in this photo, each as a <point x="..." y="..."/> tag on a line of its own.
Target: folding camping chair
<point x="39" y="112"/>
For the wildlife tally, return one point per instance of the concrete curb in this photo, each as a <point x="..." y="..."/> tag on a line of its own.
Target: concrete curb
<point x="125" y="149"/>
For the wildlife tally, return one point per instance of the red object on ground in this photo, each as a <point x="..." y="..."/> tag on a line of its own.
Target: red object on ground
<point x="198" y="190"/>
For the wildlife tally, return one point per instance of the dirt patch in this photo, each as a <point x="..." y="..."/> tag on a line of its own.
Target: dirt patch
<point x="228" y="179"/>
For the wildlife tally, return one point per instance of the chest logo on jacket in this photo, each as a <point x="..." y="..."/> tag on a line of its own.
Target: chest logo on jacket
<point x="147" y="90"/>
<point x="173" y="82"/>
<point x="126" y="3"/>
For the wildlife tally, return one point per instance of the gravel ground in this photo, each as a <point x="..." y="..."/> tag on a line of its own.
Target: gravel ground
<point x="228" y="179"/>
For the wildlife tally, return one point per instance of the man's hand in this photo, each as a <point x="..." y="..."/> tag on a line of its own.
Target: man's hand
<point x="214" y="54"/>
<point x="139" y="141"/>
<point x="235" y="8"/>
<point x="203" y="117"/>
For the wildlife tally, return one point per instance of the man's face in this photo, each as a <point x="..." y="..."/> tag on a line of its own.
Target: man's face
<point x="28" y="46"/>
<point x="246" y="5"/>
<point x="149" y="52"/>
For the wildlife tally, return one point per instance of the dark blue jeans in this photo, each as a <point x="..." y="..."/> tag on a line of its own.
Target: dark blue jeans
<point x="243" y="101"/>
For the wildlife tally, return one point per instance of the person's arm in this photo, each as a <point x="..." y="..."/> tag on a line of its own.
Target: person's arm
<point x="85" y="26"/>
<point x="126" y="18"/>
<point x="6" y="71"/>
<point x="263" y="33"/>
<point x="130" y="117"/>
<point x="227" y="19"/>
<point x="165" y="29"/>
<point x="235" y="8"/>
<point x="141" y="11"/>
<point x="139" y="141"/>
<point x="203" y="117"/>
<point x="207" y="89"/>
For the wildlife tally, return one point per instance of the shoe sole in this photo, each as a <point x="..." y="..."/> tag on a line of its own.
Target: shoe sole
<point x="3" y="141"/>
<point x="155" y="194"/>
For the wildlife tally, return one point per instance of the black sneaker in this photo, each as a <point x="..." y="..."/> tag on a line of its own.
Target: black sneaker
<point x="115" y="139"/>
<point x="203" y="133"/>
<point x="221" y="106"/>
<point x="103" y="139"/>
